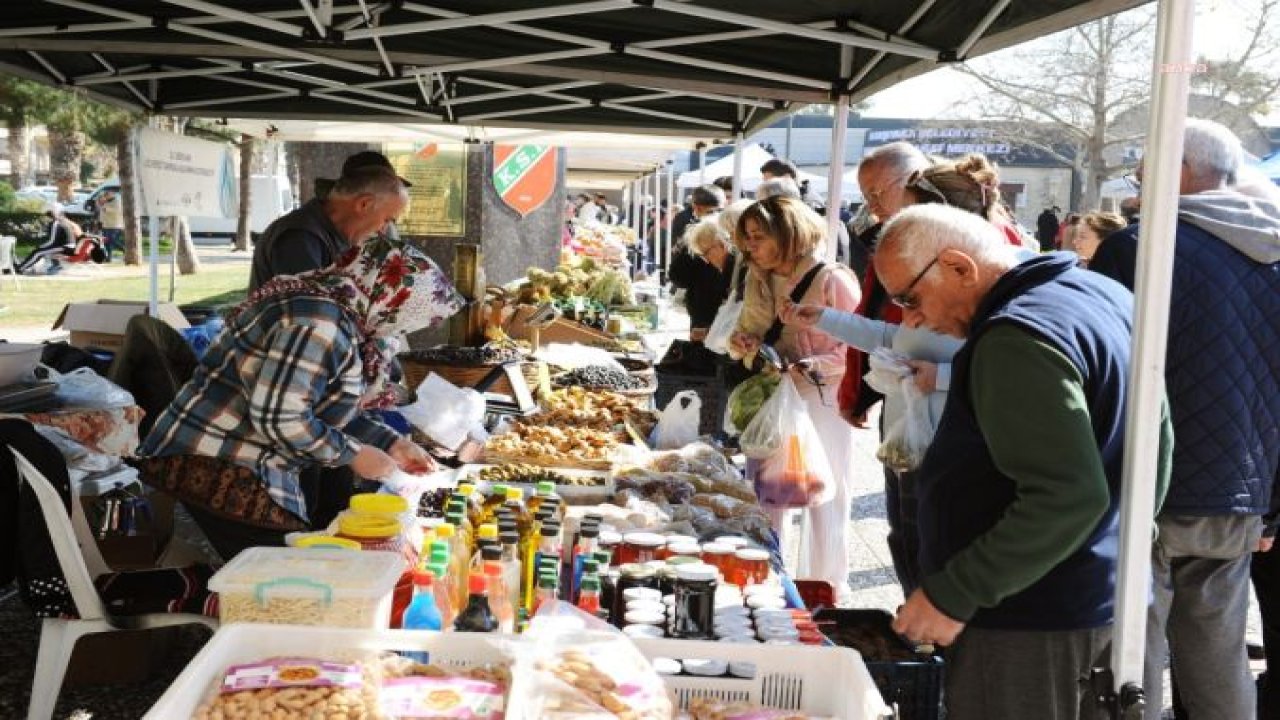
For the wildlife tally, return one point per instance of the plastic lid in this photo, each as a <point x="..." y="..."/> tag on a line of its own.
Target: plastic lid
<point x="764" y="602"/>
<point x="445" y="531"/>
<point x="549" y="530"/>
<point x="643" y="631"/>
<point x="293" y="572"/>
<point x="515" y="494"/>
<point x="679" y="539"/>
<point x="491" y="552"/>
<point x="644" y="617"/>
<point x="509" y="537"/>
<point x="610" y="537"/>
<point x="683" y="548"/>
<point x="716" y="549"/>
<point x="499" y="490"/>
<point x="732" y="541"/>
<point x="477" y="584"/>
<point x="326" y="542"/>
<point x="770" y="590"/>
<point x="368" y="526"/>
<point x="488" y="531"/>
<point x="641" y="593"/>
<point x="590" y="583"/>
<point x="655" y="606"/>
<point x="742" y="669"/>
<point x="589" y="531"/>
<point x="423" y="578"/>
<point x="466" y="489"/>
<point x="677" y="560"/>
<point x="590" y="565"/>
<point x="697" y="573"/>
<point x="752" y="554"/>
<point x="546" y="487"/>
<point x="636" y="570"/>
<point x="644" y="539"/>
<point x="706" y="668"/>
<point x="379" y="504"/>
<point x="547" y="581"/>
<point x="666" y="666"/>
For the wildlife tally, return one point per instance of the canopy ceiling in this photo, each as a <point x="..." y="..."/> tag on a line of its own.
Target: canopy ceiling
<point x="702" y="68"/>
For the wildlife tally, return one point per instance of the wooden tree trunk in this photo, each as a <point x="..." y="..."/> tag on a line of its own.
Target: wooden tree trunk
<point x="66" y="147"/>
<point x="184" y="246"/>
<point x="129" y="201"/>
<point x="19" y="153"/>
<point x="246" y="193"/>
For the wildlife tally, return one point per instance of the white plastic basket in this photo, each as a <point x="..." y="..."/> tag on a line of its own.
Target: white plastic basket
<point x="822" y="681"/>
<point x="246" y="642"/>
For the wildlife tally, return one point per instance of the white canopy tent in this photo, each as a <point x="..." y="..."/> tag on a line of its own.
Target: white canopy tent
<point x="753" y="156"/>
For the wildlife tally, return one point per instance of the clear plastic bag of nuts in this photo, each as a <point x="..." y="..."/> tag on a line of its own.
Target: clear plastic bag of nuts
<point x="577" y="667"/>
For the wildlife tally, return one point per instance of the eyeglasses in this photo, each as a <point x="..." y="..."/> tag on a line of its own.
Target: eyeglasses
<point x="906" y="299"/>
<point x="885" y="187"/>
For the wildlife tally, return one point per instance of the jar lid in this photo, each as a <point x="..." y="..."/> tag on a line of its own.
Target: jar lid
<point x="683" y="560"/>
<point x="761" y="602"/>
<point x="645" y="617"/>
<point x="643" y="631"/>
<point x="644" y="539"/>
<point x="546" y="487"/>
<point x="732" y="611"/>
<point x="740" y="640"/>
<point x="706" y="668"/>
<point x="681" y="539"/>
<point x="654" y="606"/>
<point x="609" y="537"/>
<point x="732" y="541"/>
<point x="327" y="542"/>
<point x="771" y="590"/>
<point x="716" y="549"/>
<point x="488" y="531"/>
<point x="378" y="503"/>
<point x="742" y="669"/>
<point x="666" y="666"/>
<point x="640" y="593"/>
<point x="697" y="573"/>
<point x="515" y="494"/>
<point x="356" y="525"/>
<point x="752" y="554"/>
<point x="684" y="548"/>
<point x="775" y="633"/>
<point x="636" y="570"/>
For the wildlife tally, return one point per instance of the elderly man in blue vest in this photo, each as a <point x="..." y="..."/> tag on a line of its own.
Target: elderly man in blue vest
<point x="1018" y="527"/>
<point x="1222" y="371"/>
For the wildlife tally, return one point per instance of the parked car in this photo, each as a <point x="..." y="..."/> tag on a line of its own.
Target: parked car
<point x="49" y="194"/>
<point x="271" y="197"/>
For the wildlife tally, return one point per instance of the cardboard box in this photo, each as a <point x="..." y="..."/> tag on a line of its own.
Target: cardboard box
<point x="100" y="324"/>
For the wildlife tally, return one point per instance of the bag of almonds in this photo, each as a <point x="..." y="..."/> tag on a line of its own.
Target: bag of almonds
<point x="576" y="667"/>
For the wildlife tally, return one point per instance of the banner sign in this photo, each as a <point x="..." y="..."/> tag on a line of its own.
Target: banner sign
<point x="179" y="175"/>
<point x="438" y="198"/>
<point x="524" y="175"/>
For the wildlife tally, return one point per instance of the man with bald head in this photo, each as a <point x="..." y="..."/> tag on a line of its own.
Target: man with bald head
<point x="1018" y="535"/>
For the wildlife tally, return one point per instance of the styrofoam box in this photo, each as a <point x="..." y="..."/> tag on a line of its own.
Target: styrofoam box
<point x="821" y="681"/>
<point x="306" y="586"/>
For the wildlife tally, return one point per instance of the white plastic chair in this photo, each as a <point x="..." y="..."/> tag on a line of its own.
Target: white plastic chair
<point x="58" y="636"/>
<point x="9" y="258"/>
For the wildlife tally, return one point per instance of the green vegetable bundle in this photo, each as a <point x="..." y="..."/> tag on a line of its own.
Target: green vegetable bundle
<point x="746" y="399"/>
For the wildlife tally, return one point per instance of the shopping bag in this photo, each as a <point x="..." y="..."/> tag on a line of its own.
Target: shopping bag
<point x="763" y="436"/>
<point x="798" y="474"/>
<point x="678" y="423"/>
<point x="717" y="339"/>
<point x="906" y="439"/>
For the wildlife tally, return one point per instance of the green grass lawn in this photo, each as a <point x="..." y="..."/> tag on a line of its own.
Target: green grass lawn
<point x="40" y="299"/>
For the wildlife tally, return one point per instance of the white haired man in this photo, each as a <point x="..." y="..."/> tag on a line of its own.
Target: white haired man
<point x="1017" y="535"/>
<point x="1222" y="371"/>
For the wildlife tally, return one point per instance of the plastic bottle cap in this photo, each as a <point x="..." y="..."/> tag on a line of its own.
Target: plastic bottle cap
<point x="466" y="489"/>
<point x="499" y="490"/>
<point x="423" y="578"/>
<point x="546" y="487"/>
<point x="509" y="537"/>
<point x="742" y="669"/>
<point x="477" y="584"/>
<point x="515" y="493"/>
<point x="697" y="573"/>
<point x="678" y="560"/>
<point x="491" y="552"/>
<point x="589" y="531"/>
<point x="488" y="531"/>
<point x="549" y="530"/>
<point x="378" y="504"/>
<point x="445" y="531"/>
<point x="368" y="526"/>
<point x="326" y="542"/>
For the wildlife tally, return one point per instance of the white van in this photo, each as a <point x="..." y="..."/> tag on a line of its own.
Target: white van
<point x="271" y="197"/>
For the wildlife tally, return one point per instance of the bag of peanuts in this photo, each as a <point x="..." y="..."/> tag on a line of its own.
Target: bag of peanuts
<point x="576" y="667"/>
<point x="293" y="689"/>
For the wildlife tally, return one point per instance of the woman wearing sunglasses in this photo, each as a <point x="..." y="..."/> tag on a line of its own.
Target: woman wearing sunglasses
<point x="971" y="184"/>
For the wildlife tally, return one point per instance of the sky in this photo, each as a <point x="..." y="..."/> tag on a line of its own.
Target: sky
<point x="1218" y="23"/>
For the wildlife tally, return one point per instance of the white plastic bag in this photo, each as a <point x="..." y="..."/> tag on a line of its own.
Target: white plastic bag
<point x="575" y="355"/>
<point x="908" y="438"/>
<point x="445" y="412"/>
<point x="797" y="474"/>
<point x="763" y="436"/>
<point x="678" y="423"/>
<point x="717" y="339"/>
<point x="84" y="388"/>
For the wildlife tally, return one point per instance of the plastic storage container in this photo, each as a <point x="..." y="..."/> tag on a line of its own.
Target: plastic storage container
<point x="303" y="586"/>
<point x="914" y="685"/>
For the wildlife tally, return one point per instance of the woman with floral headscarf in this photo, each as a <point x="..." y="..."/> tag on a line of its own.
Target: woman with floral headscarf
<point x="285" y="386"/>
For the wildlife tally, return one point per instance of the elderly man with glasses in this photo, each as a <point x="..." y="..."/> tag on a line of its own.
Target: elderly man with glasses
<point x="1018" y="535"/>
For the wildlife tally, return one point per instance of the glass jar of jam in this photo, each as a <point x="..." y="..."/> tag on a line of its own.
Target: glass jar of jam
<point x="719" y="556"/>
<point x="639" y="547"/>
<point x="749" y="567"/>
<point x="630" y="576"/>
<point x="694" y="607"/>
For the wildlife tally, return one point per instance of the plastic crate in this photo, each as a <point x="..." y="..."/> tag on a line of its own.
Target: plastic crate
<point x="710" y="389"/>
<point x="914" y="686"/>
<point x="830" y="682"/>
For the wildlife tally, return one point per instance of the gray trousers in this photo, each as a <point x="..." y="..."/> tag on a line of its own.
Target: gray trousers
<point x="1200" y="583"/>
<point x="1024" y="675"/>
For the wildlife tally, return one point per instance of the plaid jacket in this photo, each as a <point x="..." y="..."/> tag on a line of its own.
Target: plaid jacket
<point x="278" y="389"/>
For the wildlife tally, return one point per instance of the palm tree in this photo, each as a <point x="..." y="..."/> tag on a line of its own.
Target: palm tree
<point x="115" y="128"/>
<point x="22" y="103"/>
<point x="246" y="193"/>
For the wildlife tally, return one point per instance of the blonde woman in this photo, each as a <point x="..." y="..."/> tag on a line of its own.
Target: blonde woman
<point x="705" y="271"/>
<point x="1093" y="228"/>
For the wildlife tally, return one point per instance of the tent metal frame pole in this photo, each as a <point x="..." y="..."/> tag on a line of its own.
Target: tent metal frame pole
<point x="214" y="102"/>
<point x="906" y="26"/>
<point x="737" y="164"/>
<point x="785" y="28"/>
<point x="240" y="16"/>
<point x="702" y="163"/>
<point x="1152" y="290"/>
<point x="72" y="29"/>
<point x="835" y="168"/>
<point x="320" y="29"/>
<point x="97" y="79"/>
<point x="515" y="91"/>
<point x="127" y="85"/>
<point x="526" y="111"/>
<point x="490" y="19"/>
<point x="982" y="27"/>
<point x="672" y="208"/>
